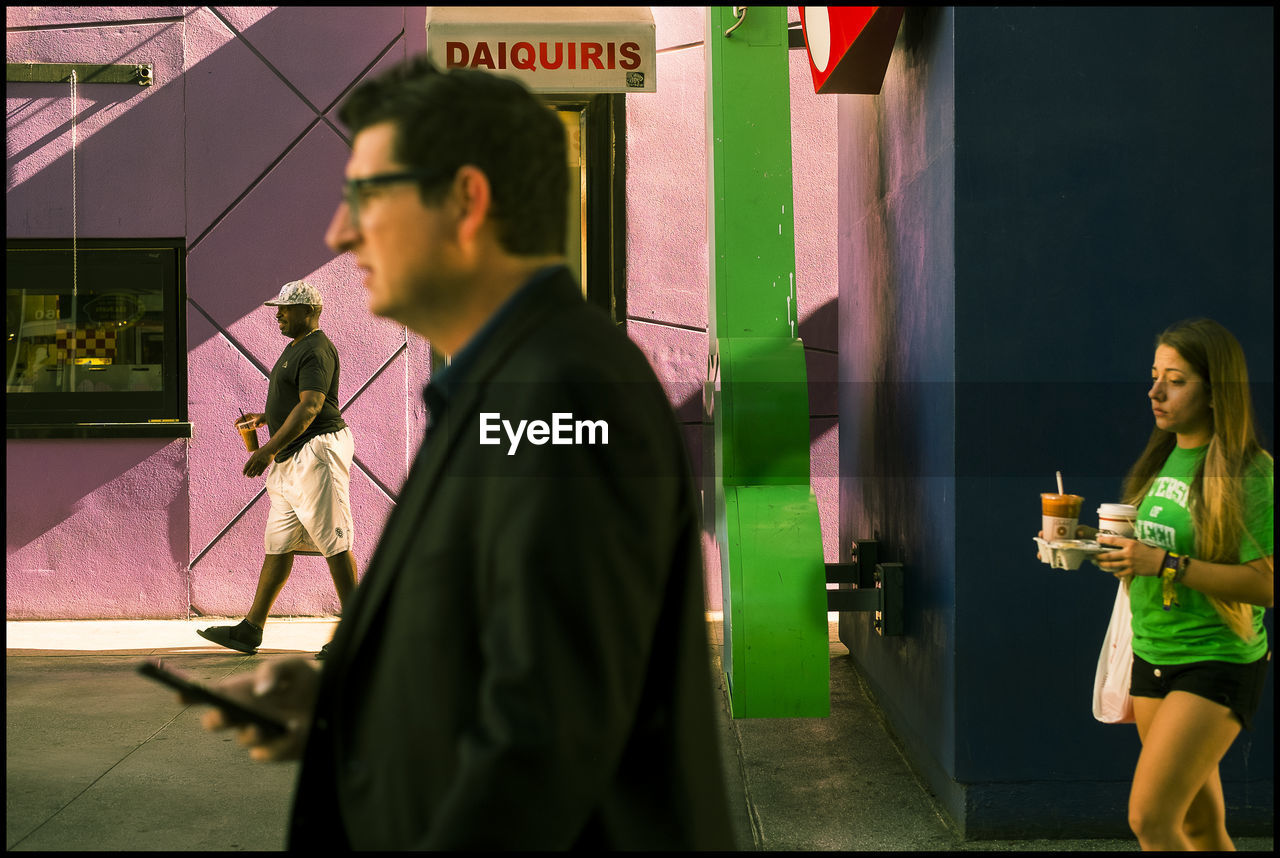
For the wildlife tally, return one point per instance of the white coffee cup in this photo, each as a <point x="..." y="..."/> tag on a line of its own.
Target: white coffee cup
<point x="1117" y="519"/>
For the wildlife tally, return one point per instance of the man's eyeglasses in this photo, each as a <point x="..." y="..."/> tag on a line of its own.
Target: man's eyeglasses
<point x="354" y="190"/>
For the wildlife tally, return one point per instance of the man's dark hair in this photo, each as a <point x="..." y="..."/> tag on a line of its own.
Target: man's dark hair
<point x="448" y="119"/>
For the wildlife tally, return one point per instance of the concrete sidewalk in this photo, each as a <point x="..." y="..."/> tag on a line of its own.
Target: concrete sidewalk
<point x="101" y="759"/>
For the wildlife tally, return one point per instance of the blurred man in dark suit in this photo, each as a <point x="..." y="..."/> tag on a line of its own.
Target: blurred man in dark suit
<point x="525" y="664"/>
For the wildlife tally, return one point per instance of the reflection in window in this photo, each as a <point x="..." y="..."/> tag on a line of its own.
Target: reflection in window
<point x="97" y="334"/>
<point x="91" y="342"/>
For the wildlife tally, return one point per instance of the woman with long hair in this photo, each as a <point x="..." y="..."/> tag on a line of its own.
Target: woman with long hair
<point x="1200" y="576"/>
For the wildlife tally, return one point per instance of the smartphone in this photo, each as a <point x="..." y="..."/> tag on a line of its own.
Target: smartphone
<point x="235" y="711"/>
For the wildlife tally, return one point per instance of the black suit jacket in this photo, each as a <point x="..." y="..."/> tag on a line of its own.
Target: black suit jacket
<point x="525" y="664"/>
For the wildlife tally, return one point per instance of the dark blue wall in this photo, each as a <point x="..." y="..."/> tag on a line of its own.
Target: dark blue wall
<point x="1035" y="194"/>
<point x="897" y="364"/>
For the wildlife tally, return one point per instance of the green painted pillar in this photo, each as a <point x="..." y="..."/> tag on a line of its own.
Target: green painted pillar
<point x="771" y="563"/>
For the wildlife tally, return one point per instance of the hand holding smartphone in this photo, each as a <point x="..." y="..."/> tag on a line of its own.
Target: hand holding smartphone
<point x="233" y="710"/>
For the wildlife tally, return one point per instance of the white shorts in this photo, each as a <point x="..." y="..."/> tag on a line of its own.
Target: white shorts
<point x="310" y="498"/>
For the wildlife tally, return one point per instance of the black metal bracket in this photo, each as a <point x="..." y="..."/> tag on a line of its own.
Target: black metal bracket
<point x="143" y="74"/>
<point x="876" y="587"/>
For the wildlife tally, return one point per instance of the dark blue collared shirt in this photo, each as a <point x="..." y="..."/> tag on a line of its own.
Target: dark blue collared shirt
<point x="446" y="381"/>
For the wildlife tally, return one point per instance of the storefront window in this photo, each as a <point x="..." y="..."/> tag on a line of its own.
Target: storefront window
<point x="96" y="337"/>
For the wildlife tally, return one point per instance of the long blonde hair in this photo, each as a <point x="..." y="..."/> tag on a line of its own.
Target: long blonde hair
<point x="1217" y="490"/>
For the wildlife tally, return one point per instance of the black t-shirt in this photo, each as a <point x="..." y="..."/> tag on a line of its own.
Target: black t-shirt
<point x="309" y="364"/>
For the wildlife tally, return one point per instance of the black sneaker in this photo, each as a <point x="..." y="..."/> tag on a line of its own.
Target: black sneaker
<point x="323" y="653"/>
<point x="244" y="637"/>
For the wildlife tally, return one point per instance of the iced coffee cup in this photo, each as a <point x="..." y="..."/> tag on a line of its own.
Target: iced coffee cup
<point x="1059" y="515"/>
<point x="1117" y="519"/>
<point x="249" y="432"/>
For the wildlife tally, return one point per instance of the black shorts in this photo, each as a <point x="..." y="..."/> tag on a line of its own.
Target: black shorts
<point x="1236" y="686"/>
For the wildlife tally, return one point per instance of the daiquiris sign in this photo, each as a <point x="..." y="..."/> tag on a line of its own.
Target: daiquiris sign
<point x="551" y="49"/>
<point x="545" y="56"/>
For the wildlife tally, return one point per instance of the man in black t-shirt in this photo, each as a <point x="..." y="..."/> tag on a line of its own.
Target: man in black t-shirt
<point x="310" y="451"/>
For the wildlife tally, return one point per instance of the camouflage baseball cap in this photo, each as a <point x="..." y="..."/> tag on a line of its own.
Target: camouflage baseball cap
<point x="296" y="292"/>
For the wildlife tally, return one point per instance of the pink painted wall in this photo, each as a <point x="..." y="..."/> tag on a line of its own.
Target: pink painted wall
<point x="236" y="149"/>
<point x="96" y="529"/>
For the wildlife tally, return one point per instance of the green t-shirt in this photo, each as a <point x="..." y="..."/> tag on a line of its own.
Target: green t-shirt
<point x="1191" y="630"/>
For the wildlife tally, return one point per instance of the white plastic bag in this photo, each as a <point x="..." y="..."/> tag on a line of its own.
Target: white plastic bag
<point x="1111" y="701"/>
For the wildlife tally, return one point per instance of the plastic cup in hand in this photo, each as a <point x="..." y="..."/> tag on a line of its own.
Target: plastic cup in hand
<point x="1060" y="514"/>
<point x="249" y="433"/>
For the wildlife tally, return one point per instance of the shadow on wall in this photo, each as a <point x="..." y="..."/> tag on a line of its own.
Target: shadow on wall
<point x="46" y="95"/>
<point x="822" y="383"/>
<point x="237" y="156"/>
<point x="272" y="244"/>
<point x="289" y="235"/>
<point x="36" y="505"/>
<point x="116" y="202"/>
<point x="265" y="221"/>
<point x="821" y="326"/>
<point x="821" y="380"/>
<point x="38" y="122"/>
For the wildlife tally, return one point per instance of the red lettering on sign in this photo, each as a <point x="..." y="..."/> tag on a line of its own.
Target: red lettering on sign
<point x="455" y="54"/>
<point x="482" y="57"/>
<point x="546" y="63"/>
<point x="586" y="56"/>
<point x="527" y="62"/>
<point x="630" y="56"/>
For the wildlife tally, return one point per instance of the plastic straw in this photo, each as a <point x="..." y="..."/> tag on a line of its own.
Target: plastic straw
<point x="1060" y="491"/>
